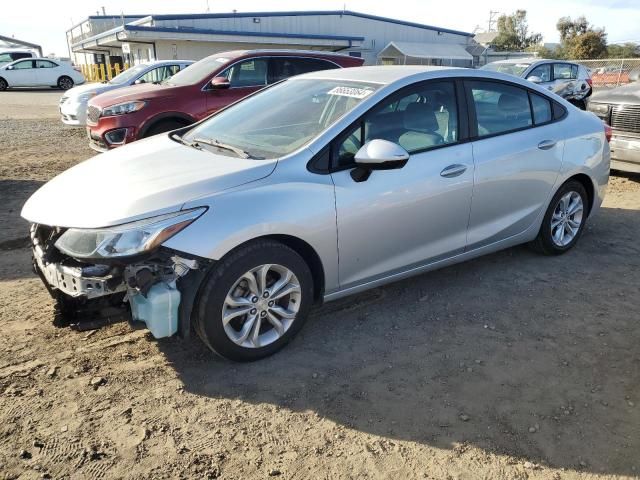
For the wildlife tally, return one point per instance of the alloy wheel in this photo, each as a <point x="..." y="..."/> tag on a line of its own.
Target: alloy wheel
<point x="567" y="219"/>
<point x="261" y="306"/>
<point x="65" y="83"/>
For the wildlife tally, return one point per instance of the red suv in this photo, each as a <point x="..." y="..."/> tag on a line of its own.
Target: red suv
<point x="125" y="115"/>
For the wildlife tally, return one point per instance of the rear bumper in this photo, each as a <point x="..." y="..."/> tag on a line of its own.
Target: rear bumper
<point x="625" y="153"/>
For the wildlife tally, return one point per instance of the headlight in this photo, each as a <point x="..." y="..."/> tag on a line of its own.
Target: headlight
<point x="125" y="240"/>
<point x="123" y="108"/>
<point x="600" y="109"/>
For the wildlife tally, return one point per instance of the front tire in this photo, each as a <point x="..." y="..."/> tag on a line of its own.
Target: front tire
<point x="65" y="83"/>
<point x="3" y="84"/>
<point x="164" y="126"/>
<point x="564" y="220"/>
<point x="254" y="301"/>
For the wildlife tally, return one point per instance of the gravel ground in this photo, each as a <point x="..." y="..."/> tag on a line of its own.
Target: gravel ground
<point x="511" y="366"/>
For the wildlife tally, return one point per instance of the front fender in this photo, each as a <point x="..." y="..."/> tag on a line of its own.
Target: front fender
<point x="303" y="209"/>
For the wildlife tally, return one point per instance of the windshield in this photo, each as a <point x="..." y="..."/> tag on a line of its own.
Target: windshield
<point x="516" y="69"/>
<point x="128" y="75"/>
<point x="281" y="119"/>
<point x="198" y="71"/>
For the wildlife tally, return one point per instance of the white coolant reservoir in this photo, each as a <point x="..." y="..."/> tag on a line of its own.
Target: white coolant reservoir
<point x="159" y="310"/>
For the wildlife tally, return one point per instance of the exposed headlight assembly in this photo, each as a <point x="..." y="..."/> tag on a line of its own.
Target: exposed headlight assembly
<point x="123" y="108"/>
<point x="127" y="239"/>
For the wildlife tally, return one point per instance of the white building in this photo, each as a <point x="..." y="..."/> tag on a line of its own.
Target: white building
<point x="138" y="38"/>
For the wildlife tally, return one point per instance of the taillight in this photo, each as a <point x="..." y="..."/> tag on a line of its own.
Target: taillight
<point x="590" y="82"/>
<point x="607" y="132"/>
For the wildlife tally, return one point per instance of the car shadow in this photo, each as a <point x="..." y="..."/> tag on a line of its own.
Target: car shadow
<point x="14" y="234"/>
<point x="518" y="354"/>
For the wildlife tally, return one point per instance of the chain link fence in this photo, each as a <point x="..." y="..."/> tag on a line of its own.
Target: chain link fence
<point x="612" y="72"/>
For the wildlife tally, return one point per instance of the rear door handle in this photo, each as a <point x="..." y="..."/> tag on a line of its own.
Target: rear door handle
<point x="453" y="170"/>
<point x="546" y="144"/>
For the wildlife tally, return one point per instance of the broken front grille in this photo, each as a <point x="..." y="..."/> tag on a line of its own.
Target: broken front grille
<point x="626" y="118"/>
<point x="93" y="114"/>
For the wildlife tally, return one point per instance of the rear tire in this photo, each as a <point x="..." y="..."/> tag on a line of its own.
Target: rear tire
<point x="3" y="85"/>
<point x="164" y="126"/>
<point x="564" y="220"/>
<point x="65" y="83"/>
<point x="254" y="301"/>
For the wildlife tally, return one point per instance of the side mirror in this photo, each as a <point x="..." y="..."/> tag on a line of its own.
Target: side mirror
<point x="139" y="81"/>
<point x="219" y="83"/>
<point x="378" y="155"/>
<point x="10" y="67"/>
<point x="534" y="79"/>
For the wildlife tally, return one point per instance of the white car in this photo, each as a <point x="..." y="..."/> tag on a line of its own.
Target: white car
<point x="73" y="104"/>
<point x="39" y="72"/>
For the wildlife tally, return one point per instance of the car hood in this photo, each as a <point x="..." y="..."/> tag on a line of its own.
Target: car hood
<point x="149" y="177"/>
<point x="96" y="88"/>
<point x="626" y="94"/>
<point x="142" y="91"/>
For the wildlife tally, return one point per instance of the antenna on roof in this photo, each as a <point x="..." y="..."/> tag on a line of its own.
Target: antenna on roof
<point x="103" y="11"/>
<point x="208" y="6"/>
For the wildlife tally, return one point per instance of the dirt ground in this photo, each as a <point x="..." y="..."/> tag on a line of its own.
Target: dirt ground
<point x="512" y="366"/>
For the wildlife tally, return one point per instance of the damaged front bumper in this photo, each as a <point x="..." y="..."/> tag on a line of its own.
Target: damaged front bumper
<point x="159" y="288"/>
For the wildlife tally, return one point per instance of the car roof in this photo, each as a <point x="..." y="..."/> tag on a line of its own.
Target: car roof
<point x="407" y="74"/>
<point x="279" y="51"/>
<point x="165" y="62"/>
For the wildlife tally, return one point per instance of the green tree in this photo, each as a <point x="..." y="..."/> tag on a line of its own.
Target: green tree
<point x="513" y="33"/>
<point x="580" y="40"/>
<point x="627" y="50"/>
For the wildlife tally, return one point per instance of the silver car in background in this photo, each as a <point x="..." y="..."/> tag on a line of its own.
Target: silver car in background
<point x="315" y="188"/>
<point x="73" y="104"/>
<point x="571" y="81"/>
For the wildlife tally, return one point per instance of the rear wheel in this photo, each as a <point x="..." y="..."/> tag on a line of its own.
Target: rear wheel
<point x="3" y="84"/>
<point x="164" y="126"/>
<point x="254" y="301"/>
<point x="564" y="220"/>
<point x="65" y="83"/>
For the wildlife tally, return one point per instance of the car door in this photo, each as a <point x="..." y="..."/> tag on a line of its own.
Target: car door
<point x="565" y="76"/>
<point x="48" y="72"/>
<point x="517" y="154"/>
<point x="399" y="219"/>
<point x="245" y="77"/>
<point x="22" y="74"/>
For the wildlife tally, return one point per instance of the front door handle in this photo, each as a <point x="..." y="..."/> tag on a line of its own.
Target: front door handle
<point x="453" y="170"/>
<point x="546" y="144"/>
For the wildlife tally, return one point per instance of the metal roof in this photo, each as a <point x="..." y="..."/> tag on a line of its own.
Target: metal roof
<point x="451" y="51"/>
<point x="206" y="31"/>
<point x="309" y="14"/>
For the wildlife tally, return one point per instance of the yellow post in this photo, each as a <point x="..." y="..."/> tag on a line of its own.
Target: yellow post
<point x="126" y="66"/>
<point x="94" y="73"/>
<point x="102" y="74"/>
<point x="117" y="69"/>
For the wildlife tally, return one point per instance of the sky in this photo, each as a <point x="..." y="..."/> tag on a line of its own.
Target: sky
<point x="44" y="22"/>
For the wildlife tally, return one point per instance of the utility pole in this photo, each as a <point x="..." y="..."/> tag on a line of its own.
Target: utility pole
<point x="492" y="20"/>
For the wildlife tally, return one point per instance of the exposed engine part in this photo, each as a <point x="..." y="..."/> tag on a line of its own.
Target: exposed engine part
<point x="153" y="286"/>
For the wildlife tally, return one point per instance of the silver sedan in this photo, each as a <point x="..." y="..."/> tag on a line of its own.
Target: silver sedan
<point x="319" y="187"/>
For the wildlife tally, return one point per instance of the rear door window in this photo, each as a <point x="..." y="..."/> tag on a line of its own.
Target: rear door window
<point x="45" y="64"/>
<point x="564" y="71"/>
<point x="281" y="68"/>
<point x="19" y="55"/>
<point x="500" y="108"/>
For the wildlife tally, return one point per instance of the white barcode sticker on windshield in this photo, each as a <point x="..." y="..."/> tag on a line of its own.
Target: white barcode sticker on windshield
<point x="351" y="92"/>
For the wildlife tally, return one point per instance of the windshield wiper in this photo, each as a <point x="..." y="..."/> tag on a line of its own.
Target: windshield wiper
<point x="215" y="143"/>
